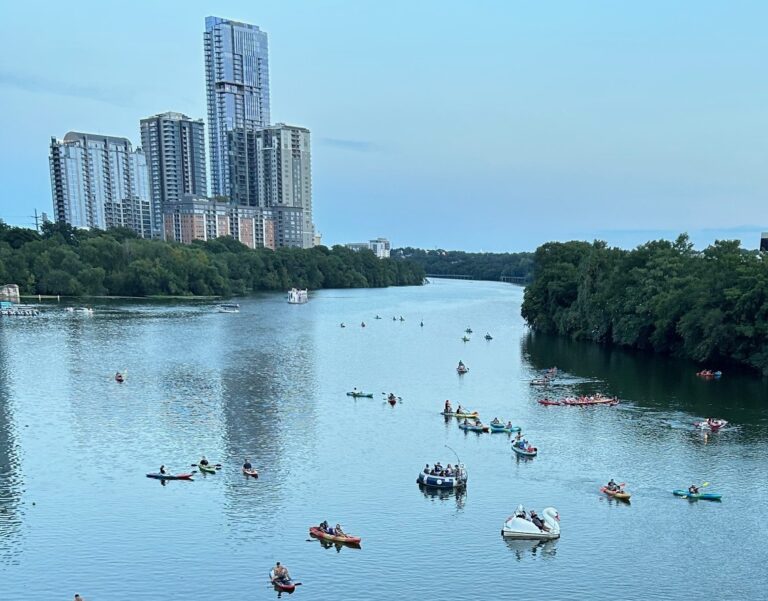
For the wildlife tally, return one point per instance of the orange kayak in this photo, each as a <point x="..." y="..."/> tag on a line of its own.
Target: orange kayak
<point x="349" y="540"/>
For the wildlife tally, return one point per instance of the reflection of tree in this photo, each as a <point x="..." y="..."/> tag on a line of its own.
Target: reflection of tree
<point x="10" y="468"/>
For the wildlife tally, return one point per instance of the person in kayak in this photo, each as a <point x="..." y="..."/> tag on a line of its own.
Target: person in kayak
<point x="495" y="421"/>
<point x="693" y="489"/>
<point x="448" y="408"/>
<point x="247" y="464"/>
<point x="162" y="469"/>
<point x="338" y="531"/>
<point x="281" y="573"/>
<point x="612" y="486"/>
<point x="460" y="409"/>
<point x="203" y="461"/>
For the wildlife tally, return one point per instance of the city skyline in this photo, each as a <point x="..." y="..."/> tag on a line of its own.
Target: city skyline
<point x="661" y="129"/>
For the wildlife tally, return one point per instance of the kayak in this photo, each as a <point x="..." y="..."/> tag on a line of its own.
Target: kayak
<point x="283" y="585"/>
<point x="704" y="496"/>
<point x="347" y="540"/>
<point x="472" y="415"/>
<point x="621" y="496"/>
<point x="524" y="452"/>
<point x="473" y="428"/>
<point x="359" y="395"/>
<point x="159" y="476"/>
<point x="503" y="428"/>
<point x="254" y="472"/>
<point x="462" y="370"/>
<point x="548" y="402"/>
<point x="207" y="469"/>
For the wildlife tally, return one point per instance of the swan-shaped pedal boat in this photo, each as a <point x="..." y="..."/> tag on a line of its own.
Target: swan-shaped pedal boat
<point x="518" y="527"/>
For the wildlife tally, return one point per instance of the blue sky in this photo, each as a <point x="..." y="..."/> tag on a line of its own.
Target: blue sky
<point x="493" y="125"/>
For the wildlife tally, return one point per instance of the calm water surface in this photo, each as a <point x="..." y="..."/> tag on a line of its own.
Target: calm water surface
<point x="78" y="515"/>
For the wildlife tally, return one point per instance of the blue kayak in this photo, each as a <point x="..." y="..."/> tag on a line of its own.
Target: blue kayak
<point x="524" y="452"/>
<point x="503" y="428"/>
<point x="704" y="496"/>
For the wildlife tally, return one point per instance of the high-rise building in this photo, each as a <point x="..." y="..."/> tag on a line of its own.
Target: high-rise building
<point x="380" y="247"/>
<point x="174" y="146"/>
<point x="237" y="89"/>
<point x="279" y="176"/>
<point x="100" y="182"/>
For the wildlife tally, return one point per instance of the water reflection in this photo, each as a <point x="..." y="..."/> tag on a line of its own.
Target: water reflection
<point x="443" y="494"/>
<point x="523" y="549"/>
<point x="10" y="468"/>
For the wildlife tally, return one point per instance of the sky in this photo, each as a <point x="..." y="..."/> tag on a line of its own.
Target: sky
<point x="483" y="125"/>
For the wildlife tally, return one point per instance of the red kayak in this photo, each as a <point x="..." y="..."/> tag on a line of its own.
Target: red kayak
<point x="348" y="540"/>
<point x="287" y="586"/>
<point x="159" y="476"/>
<point x="548" y="402"/>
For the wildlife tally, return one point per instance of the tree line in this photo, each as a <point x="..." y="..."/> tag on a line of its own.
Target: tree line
<point x="479" y="266"/>
<point x="74" y="262"/>
<point x="710" y="306"/>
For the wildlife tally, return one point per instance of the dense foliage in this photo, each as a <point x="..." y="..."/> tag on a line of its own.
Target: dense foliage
<point x="710" y="306"/>
<point x="66" y="261"/>
<point x="479" y="266"/>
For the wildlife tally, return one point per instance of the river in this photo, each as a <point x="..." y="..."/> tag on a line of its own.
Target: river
<point x="78" y="515"/>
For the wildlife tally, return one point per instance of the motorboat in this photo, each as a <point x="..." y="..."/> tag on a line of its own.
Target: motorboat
<point x="298" y="297"/>
<point x="518" y="526"/>
<point x="458" y="478"/>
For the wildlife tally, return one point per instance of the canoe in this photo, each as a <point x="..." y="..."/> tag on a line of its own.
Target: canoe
<point x="254" y="473"/>
<point x="503" y="428"/>
<point x="286" y="586"/>
<point x="524" y="453"/>
<point x="621" y="496"/>
<point x="472" y="415"/>
<point x="346" y="540"/>
<point x="159" y="476"/>
<point x="208" y="469"/>
<point x="357" y="395"/>
<point x="704" y="496"/>
<point x="473" y="428"/>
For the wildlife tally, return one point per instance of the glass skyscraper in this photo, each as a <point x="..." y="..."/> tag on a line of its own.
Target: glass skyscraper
<point x="237" y="89"/>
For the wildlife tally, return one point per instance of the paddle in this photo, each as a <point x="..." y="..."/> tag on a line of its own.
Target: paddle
<point x="214" y="465"/>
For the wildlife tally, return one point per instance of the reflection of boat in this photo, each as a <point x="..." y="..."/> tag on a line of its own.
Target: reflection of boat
<point x="522" y="547"/>
<point x="345" y="540"/>
<point x="458" y="480"/>
<point x="297" y="297"/>
<point x="548" y="402"/>
<point x="229" y="308"/>
<point x="519" y="527"/>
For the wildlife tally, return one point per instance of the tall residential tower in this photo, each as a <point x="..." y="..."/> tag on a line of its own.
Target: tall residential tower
<point x="237" y="90"/>
<point x="100" y="182"/>
<point x="174" y="146"/>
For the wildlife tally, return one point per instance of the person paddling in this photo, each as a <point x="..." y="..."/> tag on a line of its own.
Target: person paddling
<point x="693" y="489"/>
<point x="247" y="464"/>
<point x="281" y="573"/>
<point x="203" y="461"/>
<point x="162" y="469"/>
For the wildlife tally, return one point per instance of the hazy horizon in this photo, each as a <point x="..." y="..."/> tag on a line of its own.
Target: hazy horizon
<point x="496" y="126"/>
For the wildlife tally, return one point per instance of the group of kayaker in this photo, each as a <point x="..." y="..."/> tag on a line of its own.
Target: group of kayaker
<point x="708" y="373"/>
<point x="438" y="470"/>
<point x="335" y="531"/>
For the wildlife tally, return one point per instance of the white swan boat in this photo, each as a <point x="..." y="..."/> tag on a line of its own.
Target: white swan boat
<point x="519" y="527"/>
<point x="297" y="297"/>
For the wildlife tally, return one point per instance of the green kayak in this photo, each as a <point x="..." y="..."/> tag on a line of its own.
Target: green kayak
<point x="359" y="395"/>
<point x="208" y="469"/>
<point x="704" y="496"/>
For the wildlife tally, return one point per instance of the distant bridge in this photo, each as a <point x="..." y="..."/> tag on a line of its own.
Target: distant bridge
<point x="509" y="279"/>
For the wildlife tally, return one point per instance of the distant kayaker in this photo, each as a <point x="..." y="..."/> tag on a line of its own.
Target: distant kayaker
<point x="693" y="489"/>
<point x="338" y="531"/>
<point x="162" y="469"/>
<point x="611" y="485"/>
<point x="78" y="597"/>
<point x="448" y="406"/>
<point x="203" y="461"/>
<point x="247" y="464"/>
<point x="281" y="573"/>
<point x="362" y="324"/>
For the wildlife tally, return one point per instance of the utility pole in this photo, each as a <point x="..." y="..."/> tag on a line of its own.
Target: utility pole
<point x="37" y="222"/>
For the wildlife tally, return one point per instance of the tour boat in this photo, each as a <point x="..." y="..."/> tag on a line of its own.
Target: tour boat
<point x="297" y="297"/>
<point x="517" y="526"/>
<point x="457" y="480"/>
